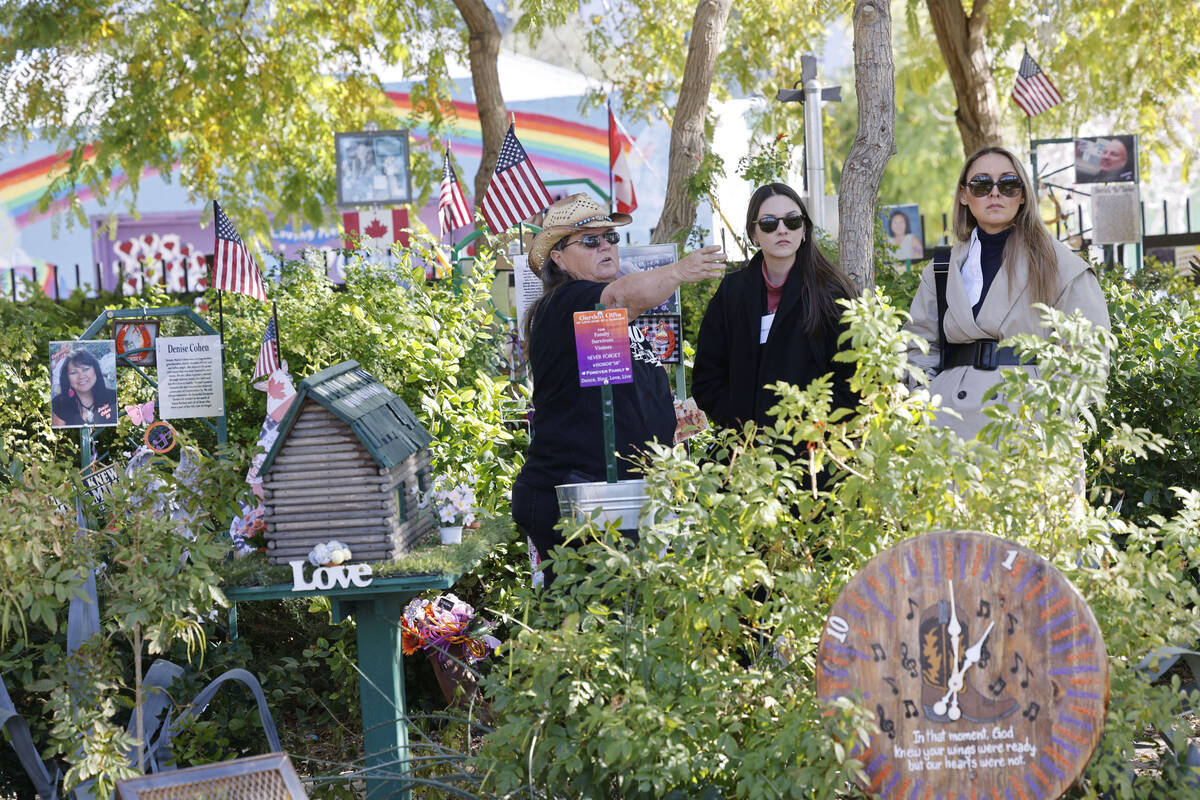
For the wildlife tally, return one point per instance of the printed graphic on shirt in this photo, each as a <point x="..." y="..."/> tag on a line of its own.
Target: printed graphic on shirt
<point x="640" y="349"/>
<point x="663" y="333"/>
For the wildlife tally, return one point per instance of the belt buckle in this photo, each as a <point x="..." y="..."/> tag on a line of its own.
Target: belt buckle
<point x="985" y="354"/>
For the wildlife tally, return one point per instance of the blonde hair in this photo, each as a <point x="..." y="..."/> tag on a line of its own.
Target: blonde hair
<point x="1029" y="235"/>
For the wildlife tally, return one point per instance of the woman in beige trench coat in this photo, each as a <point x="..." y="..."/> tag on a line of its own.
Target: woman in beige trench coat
<point x="1003" y="263"/>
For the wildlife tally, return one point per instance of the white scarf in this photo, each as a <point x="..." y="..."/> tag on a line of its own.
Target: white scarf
<point x="972" y="270"/>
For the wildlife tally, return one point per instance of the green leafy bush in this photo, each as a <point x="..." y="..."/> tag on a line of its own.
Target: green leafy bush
<point x="684" y="663"/>
<point x="1154" y="383"/>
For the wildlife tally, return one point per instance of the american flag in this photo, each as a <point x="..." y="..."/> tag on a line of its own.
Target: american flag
<point x="234" y="269"/>
<point x="515" y="192"/>
<point x="1034" y="92"/>
<point x="268" y="352"/>
<point x="453" y="211"/>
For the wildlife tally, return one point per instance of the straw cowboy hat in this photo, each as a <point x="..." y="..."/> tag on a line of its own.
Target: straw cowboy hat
<point x="569" y="215"/>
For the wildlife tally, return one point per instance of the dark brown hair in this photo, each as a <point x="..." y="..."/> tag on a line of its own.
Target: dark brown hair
<point x="1029" y="235"/>
<point x="823" y="283"/>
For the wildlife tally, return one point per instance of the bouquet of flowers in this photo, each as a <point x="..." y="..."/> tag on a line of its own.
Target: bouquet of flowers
<point x="453" y="503"/>
<point x="443" y="622"/>
<point x="330" y="553"/>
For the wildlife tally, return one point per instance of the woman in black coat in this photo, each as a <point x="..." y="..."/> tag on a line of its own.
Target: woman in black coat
<point x="775" y="320"/>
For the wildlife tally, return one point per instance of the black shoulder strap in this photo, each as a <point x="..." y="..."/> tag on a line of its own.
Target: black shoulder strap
<point x="941" y="270"/>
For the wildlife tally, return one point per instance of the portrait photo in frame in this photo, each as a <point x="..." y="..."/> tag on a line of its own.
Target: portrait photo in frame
<point x="1106" y="159"/>
<point x="373" y="168"/>
<point x="83" y="384"/>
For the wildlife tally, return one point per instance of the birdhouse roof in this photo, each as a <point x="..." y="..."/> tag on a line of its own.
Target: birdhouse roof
<point x="380" y="419"/>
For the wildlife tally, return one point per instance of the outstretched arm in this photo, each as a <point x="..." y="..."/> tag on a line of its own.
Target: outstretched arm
<point x="639" y="292"/>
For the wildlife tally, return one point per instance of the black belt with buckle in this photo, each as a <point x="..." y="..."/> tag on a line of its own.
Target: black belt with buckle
<point x="980" y="354"/>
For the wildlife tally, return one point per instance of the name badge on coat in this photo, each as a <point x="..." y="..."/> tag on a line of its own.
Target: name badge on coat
<point x="765" y="327"/>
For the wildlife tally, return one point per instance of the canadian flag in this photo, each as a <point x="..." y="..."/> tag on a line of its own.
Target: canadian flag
<point x="622" y="178"/>
<point x="375" y="229"/>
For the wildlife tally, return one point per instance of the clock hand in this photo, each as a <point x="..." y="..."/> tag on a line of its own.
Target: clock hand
<point x="974" y="653"/>
<point x="957" y="680"/>
<point x="955" y="631"/>
<point x="954" y="628"/>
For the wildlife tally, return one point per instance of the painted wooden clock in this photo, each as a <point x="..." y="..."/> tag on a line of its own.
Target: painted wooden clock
<point x="985" y="668"/>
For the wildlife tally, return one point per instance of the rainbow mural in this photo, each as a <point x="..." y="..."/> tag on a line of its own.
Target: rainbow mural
<point x="559" y="149"/>
<point x="556" y="147"/>
<point x="20" y="188"/>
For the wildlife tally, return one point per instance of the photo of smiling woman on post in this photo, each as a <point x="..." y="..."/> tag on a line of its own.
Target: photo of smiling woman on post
<point x="83" y="379"/>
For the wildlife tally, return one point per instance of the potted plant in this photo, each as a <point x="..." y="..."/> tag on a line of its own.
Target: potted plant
<point x="454" y="506"/>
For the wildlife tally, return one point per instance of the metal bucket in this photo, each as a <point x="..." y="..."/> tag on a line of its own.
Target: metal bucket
<point x="619" y="503"/>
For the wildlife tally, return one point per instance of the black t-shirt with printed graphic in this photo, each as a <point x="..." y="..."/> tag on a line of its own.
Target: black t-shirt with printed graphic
<point x="567" y="426"/>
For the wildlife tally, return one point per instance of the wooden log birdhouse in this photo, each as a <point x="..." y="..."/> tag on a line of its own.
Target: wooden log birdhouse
<point x="350" y="463"/>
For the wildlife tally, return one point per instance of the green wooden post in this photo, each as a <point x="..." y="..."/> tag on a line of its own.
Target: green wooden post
<point x="610" y="433"/>
<point x="376" y="609"/>
<point x="381" y="689"/>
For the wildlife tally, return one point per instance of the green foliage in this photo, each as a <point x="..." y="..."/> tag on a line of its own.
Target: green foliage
<point x="770" y="163"/>
<point x="155" y="547"/>
<point x="684" y="662"/>
<point x="432" y="342"/>
<point x="1154" y="383"/>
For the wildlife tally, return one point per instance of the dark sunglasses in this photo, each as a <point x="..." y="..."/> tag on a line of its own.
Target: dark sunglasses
<point x="592" y="240"/>
<point x="1009" y="185"/>
<point x="769" y="224"/>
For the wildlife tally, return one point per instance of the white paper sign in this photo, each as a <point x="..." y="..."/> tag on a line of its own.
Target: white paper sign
<point x="189" y="377"/>
<point x="1116" y="213"/>
<point x="528" y="287"/>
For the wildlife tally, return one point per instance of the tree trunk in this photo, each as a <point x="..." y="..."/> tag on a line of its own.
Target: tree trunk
<point x="874" y="143"/>
<point x="688" y="143"/>
<point x="961" y="39"/>
<point x="484" y="50"/>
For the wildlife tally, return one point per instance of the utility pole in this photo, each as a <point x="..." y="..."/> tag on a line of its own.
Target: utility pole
<point x="813" y="96"/>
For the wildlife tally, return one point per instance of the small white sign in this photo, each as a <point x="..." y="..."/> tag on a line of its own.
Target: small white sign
<point x="324" y="578"/>
<point x="528" y="287"/>
<point x="189" y="377"/>
<point x="1116" y="213"/>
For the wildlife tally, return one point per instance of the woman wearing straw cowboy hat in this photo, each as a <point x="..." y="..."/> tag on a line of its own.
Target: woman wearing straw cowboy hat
<point x="575" y="255"/>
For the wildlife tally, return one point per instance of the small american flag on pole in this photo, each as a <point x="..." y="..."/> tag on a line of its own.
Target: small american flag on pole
<point x="1034" y="92"/>
<point x="515" y="192"/>
<point x="453" y="211"/>
<point x="234" y="269"/>
<point x="268" y="353"/>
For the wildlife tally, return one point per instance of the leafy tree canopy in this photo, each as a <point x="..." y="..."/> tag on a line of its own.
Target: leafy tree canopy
<point x="1131" y="65"/>
<point x="244" y="96"/>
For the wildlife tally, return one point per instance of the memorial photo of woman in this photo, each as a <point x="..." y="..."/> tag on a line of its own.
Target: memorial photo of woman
<point x="904" y="233"/>
<point x="80" y="391"/>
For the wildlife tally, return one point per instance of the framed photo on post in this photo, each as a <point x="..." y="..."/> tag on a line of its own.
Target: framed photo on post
<point x="373" y="168"/>
<point x="1106" y="159"/>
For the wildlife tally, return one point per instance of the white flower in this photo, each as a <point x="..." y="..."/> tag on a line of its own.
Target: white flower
<point x="415" y="610"/>
<point x="319" y="555"/>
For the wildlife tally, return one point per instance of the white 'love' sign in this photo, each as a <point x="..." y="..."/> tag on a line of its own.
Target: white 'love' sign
<point x="327" y="577"/>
